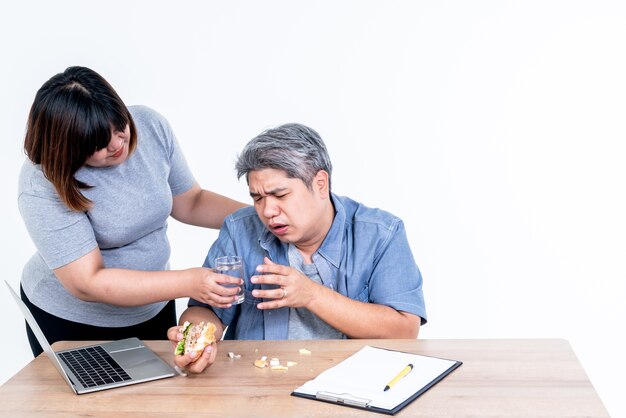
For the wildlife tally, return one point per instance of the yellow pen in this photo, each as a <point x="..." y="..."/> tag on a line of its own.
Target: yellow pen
<point x="399" y="376"/>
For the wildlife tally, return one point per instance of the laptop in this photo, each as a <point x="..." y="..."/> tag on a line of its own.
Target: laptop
<point x="102" y="366"/>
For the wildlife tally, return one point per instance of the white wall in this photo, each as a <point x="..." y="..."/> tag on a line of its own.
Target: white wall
<point x="495" y="129"/>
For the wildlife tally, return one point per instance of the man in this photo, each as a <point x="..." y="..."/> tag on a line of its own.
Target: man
<point x="317" y="265"/>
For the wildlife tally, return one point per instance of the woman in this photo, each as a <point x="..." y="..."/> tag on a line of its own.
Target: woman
<point x="100" y="182"/>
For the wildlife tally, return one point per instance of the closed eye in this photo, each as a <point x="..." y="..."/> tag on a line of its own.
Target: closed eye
<point x="258" y="197"/>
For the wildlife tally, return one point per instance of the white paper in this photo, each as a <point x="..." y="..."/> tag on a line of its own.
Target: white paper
<point x="364" y="375"/>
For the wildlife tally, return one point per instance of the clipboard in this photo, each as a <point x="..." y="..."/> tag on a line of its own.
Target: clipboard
<point x="359" y="380"/>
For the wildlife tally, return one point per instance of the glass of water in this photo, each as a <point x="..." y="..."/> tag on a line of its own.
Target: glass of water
<point x="231" y="265"/>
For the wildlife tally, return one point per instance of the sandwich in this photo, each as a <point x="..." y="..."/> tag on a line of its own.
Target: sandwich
<point x="195" y="338"/>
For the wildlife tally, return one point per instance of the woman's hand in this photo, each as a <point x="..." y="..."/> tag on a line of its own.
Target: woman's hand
<point x="210" y="287"/>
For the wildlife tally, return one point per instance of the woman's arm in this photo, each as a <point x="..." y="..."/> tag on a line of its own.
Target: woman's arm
<point x="86" y="278"/>
<point x="203" y="208"/>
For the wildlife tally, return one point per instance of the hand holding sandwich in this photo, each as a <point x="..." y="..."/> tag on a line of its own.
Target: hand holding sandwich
<point x="194" y="345"/>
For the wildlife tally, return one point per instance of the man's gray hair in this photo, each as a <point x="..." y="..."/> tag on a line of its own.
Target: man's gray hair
<point x="294" y="148"/>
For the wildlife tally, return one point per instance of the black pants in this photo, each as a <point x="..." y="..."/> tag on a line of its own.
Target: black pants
<point x="58" y="329"/>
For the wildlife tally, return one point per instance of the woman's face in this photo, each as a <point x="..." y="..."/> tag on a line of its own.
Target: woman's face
<point x="113" y="154"/>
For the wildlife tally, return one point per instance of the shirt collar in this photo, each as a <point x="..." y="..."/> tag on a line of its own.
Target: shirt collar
<point x="333" y="242"/>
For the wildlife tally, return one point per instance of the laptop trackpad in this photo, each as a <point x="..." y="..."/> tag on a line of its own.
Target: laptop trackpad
<point x="138" y="361"/>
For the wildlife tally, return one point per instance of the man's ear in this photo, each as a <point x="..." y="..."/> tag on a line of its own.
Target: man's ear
<point x="321" y="184"/>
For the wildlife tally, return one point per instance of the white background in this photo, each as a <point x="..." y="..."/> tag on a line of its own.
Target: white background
<point x="495" y="129"/>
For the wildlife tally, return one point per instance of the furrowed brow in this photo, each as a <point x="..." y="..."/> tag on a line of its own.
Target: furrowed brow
<point x="269" y="192"/>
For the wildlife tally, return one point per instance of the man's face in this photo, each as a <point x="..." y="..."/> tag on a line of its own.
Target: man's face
<point x="288" y="208"/>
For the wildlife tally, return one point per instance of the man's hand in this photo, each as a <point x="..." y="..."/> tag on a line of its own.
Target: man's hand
<point x="190" y="362"/>
<point x="294" y="289"/>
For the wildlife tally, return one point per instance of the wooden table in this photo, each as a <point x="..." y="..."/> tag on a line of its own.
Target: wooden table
<point x="498" y="378"/>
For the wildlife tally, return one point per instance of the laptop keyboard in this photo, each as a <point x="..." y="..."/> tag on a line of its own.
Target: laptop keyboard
<point x="93" y="366"/>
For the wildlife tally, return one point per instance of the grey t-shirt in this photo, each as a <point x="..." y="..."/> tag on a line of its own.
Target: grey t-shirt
<point x="304" y="324"/>
<point x="128" y="222"/>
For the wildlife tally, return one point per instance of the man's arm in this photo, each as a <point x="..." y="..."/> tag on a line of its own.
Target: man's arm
<point x="354" y="318"/>
<point x="189" y="362"/>
<point x="197" y="314"/>
<point x="360" y="319"/>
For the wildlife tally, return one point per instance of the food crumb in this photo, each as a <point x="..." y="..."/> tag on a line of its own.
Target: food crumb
<point x="304" y="351"/>
<point x="260" y="364"/>
<point x="279" y="367"/>
<point x="291" y="363"/>
<point x="274" y="362"/>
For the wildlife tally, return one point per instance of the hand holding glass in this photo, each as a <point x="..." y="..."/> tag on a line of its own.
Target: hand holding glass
<point x="231" y="265"/>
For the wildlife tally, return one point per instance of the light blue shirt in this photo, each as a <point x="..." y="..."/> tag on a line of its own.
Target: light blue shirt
<point x="365" y="256"/>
